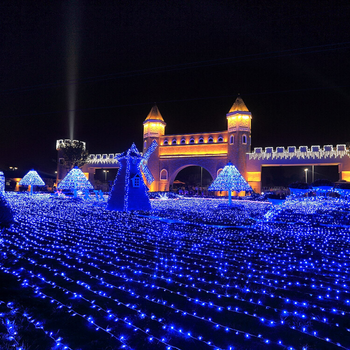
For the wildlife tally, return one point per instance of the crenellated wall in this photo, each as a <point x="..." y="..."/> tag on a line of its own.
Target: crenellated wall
<point x="337" y="155"/>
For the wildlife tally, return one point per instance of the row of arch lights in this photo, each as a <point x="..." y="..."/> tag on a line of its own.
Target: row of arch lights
<point x="201" y="140"/>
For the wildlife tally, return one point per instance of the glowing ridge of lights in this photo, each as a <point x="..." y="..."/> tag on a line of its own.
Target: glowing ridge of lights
<point x="281" y="282"/>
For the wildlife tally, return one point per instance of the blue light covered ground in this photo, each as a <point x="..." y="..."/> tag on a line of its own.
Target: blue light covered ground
<point x="76" y="276"/>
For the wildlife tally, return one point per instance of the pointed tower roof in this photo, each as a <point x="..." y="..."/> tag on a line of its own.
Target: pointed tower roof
<point x="239" y="105"/>
<point x="154" y="114"/>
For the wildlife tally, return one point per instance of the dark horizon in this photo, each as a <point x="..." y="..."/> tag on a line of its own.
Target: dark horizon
<point x="288" y="62"/>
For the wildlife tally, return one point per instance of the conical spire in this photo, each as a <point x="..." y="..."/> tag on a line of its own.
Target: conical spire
<point x="239" y="105"/>
<point x="154" y="114"/>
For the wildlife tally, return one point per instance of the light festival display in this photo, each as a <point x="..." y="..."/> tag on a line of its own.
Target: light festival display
<point x="2" y="182"/>
<point x="78" y="276"/>
<point x="75" y="181"/>
<point x="129" y="191"/>
<point x="32" y="178"/>
<point x="229" y="180"/>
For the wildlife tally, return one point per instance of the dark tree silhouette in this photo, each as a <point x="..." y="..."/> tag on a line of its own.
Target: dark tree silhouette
<point x="74" y="153"/>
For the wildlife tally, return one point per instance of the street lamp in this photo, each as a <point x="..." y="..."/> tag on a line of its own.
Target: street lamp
<point x="106" y="171"/>
<point x="306" y="170"/>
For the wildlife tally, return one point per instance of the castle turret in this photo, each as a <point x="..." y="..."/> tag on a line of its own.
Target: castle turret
<point x="239" y="134"/>
<point x="153" y="129"/>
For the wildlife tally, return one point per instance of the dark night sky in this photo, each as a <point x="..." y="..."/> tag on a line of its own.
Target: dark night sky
<point x="289" y="61"/>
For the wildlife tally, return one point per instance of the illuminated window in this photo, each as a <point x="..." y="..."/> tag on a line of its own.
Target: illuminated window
<point x="200" y="140"/>
<point x="136" y="181"/>
<point x="173" y="142"/>
<point x="192" y="140"/>
<point x="165" y="142"/>
<point x="183" y="141"/>
<point x="164" y="174"/>
<point x="220" y="139"/>
<point x="244" y="139"/>
<point x="210" y="139"/>
<point x="232" y="139"/>
<point x="145" y="145"/>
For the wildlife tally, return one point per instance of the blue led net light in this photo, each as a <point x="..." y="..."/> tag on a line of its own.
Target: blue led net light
<point x="75" y="180"/>
<point x="131" y="281"/>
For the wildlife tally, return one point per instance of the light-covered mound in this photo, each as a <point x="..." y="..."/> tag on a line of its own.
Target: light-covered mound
<point x="316" y="210"/>
<point x="210" y="211"/>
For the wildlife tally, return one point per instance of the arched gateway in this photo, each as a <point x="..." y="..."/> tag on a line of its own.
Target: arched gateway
<point x="211" y="151"/>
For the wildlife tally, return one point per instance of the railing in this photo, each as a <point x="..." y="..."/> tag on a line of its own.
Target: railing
<point x="303" y="152"/>
<point x="103" y="158"/>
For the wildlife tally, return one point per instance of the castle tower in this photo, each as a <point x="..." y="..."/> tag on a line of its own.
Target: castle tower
<point x="239" y="134"/>
<point x="153" y="129"/>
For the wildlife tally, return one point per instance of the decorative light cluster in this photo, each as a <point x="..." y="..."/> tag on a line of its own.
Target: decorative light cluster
<point x="315" y="152"/>
<point x="316" y="210"/>
<point x="143" y="164"/>
<point x="32" y="178"/>
<point x="106" y="159"/>
<point x="129" y="190"/>
<point x="230" y="180"/>
<point x="2" y="182"/>
<point x="87" y="275"/>
<point x="75" y="180"/>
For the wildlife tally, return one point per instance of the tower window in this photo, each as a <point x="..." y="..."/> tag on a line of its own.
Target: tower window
<point x="165" y="142"/>
<point x="192" y="140"/>
<point x="164" y="174"/>
<point x="173" y="142"/>
<point x="244" y="139"/>
<point x="145" y="145"/>
<point x="183" y="141"/>
<point x="220" y="139"/>
<point x="200" y="140"/>
<point x="210" y="139"/>
<point x="232" y="140"/>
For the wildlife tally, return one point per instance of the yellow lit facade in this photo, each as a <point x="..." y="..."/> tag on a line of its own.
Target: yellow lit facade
<point x="153" y="129"/>
<point x="210" y="150"/>
<point x="194" y="150"/>
<point x="345" y="175"/>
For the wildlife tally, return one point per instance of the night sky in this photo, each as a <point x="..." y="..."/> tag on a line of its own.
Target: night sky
<point x="288" y="60"/>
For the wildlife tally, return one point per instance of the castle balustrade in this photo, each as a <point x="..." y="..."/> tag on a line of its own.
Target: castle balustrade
<point x="326" y="153"/>
<point x="103" y="159"/>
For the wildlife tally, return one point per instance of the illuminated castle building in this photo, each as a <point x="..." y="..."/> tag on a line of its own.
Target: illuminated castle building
<point x="213" y="150"/>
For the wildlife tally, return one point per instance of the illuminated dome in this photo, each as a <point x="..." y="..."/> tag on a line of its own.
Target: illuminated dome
<point x="154" y="114"/>
<point x="239" y="105"/>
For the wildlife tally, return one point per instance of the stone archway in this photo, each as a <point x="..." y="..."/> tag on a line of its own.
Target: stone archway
<point x="177" y="171"/>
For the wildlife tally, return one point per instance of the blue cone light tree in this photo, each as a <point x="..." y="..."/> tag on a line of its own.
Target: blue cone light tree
<point x="32" y="178"/>
<point x="230" y="179"/>
<point x="75" y="180"/>
<point x="129" y="190"/>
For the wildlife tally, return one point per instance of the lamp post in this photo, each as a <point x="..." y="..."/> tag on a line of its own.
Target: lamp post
<point x="105" y="172"/>
<point x="306" y="170"/>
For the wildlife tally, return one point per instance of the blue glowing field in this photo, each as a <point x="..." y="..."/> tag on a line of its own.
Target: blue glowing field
<point x="187" y="275"/>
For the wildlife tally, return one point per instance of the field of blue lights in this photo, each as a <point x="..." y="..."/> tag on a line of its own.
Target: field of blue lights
<point x="190" y="274"/>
